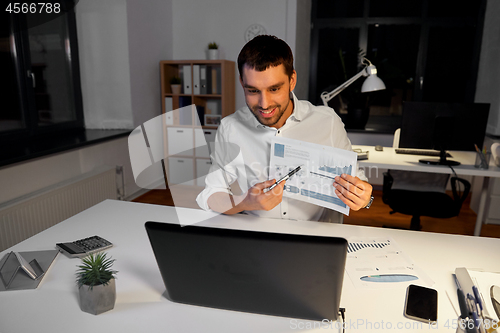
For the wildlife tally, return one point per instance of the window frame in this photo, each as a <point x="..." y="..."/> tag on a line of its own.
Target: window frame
<point x="31" y="130"/>
<point x="425" y="23"/>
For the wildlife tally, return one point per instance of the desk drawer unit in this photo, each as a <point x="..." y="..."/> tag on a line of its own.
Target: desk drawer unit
<point x="180" y="141"/>
<point x="202" y="138"/>
<point x="180" y="171"/>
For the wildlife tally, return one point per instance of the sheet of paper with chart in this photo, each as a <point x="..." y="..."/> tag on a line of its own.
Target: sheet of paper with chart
<point x="320" y="165"/>
<point x="378" y="263"/>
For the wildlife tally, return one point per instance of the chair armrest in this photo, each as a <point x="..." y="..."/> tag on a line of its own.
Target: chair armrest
<point x="388" y="180"/>
<point x="460" y="197"/>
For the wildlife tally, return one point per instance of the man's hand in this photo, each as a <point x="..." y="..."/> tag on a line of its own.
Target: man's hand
<point x="255" y="199"/>
<point x="354" y="192"/>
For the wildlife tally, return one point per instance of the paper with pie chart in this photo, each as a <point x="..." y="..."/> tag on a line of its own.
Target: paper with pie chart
<point x="378" y="263"/>
<point x="319" y="166"/>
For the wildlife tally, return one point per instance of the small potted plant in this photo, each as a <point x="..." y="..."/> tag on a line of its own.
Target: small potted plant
<point x="175" y="85"/>
<point x="213" y="51"/>
<point x="96" y="283"/>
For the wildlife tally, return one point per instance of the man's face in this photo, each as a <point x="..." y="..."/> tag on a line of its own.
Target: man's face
<point x="267" y="94"/>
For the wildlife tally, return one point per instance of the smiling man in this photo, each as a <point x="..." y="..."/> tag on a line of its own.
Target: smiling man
<point x="268" y="78"/>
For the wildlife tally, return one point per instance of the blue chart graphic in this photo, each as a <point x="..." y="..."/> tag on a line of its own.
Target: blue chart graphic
<point x="353" y="247"/>
<point x="389" y="278"/>
<point x="279" y="150"/>
<point x="336" y="170"/>
<point x="323" y="197"/>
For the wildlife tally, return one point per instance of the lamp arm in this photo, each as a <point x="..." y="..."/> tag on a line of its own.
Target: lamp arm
<point x="327" y="96"/>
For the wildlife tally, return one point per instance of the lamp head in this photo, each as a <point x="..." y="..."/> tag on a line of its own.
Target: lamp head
<point x="372" y="82"/>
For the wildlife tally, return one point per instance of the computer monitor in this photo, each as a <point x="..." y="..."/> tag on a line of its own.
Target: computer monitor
<point x="443" y="126"/>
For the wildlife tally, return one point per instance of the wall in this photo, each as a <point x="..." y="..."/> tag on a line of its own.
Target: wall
<point x="302" y="46"/>
<point x="196" y="23"/>
<point x="150" y="40"/>
<point x="120" y="45"/>
<point x="104" y="63"/>
<point x="488" y="77"/>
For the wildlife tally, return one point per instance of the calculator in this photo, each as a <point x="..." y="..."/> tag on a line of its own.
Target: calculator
<point x="85" y="246"/>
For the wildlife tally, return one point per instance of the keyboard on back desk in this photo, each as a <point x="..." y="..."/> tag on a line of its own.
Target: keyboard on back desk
<point x="421" y="152"/>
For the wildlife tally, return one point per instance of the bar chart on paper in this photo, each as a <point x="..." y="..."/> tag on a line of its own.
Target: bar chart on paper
<point x="319" y="167"/>
<point x="375" y="263"/>
<point x="357" y="246"/>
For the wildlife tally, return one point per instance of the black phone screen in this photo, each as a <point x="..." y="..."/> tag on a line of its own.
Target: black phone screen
<point x="421" y="303"/>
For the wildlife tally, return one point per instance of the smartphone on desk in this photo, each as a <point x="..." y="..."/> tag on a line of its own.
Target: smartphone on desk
<point x="421" y="304"/>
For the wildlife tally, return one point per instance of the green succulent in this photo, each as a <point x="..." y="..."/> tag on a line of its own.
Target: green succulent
<point x="95" y="270"/>
<point x="213" y="46"/>
<point x="175" y="80"/>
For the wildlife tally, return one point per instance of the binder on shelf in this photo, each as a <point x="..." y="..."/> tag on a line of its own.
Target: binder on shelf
<point x="209" y="80"/>
<point x="203" y="80"/>
<point x="181" y="76"/>
<point x="169" y="114"/>
<point x="216" y="84"/>
<point x="218" y="70"/>
<point x="187" y="84"/>
<point x="196" y="79"/>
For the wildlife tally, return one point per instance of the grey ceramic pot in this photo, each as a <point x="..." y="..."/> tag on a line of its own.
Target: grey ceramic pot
<point x="98" y="300"/>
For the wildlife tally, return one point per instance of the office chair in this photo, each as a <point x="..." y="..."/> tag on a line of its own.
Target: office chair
<point x="421" y="193"/>
<point x="425" y="197"/>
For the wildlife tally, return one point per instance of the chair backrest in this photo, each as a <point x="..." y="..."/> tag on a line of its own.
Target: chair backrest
<point x="416" y="181"/>
<point x="395" y="141"/>
<point x="419" y="181"/>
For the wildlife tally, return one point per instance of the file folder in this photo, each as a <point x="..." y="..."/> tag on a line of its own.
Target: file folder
<point x="169" y="116"/>
<point x="196" y="79"/>
<point x="209" y="80"/>
<point x="203" y="80"/>
<point x="186" y="72"/>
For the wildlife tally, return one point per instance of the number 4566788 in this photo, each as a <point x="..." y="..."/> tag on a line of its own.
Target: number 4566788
<point x="33" y="8"/>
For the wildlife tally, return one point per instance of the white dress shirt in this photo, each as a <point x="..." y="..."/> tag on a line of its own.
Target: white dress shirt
<point x="315" y="124"/>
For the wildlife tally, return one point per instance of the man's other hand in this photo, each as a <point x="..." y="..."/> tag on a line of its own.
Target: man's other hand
<point x="353" y="191"/>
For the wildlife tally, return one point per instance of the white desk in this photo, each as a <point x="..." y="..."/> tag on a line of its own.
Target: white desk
<point x="388" y="159"/>
<point x="140" y="306"/>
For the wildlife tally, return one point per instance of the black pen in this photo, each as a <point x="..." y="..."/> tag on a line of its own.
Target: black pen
<point x="290" y="174"/>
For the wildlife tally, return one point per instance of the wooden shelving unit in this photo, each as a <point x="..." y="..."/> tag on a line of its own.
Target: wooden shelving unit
<point x="226" y="96"/>
<point x="186" y="160"/>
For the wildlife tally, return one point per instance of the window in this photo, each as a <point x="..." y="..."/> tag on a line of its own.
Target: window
<point x="39" y="57"/>
<point x="424" y="50"/>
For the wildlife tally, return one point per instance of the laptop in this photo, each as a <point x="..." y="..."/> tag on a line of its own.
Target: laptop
<point x="297" y="276"/>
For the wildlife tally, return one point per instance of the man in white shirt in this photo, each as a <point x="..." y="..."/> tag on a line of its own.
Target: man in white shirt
<point x="267" y="76"/>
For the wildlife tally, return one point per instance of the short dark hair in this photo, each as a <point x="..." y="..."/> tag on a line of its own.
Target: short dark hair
<point x="266" y="51"/>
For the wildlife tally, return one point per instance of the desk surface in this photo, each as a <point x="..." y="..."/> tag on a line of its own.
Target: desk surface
<point x="388" y="159"/>
<point x="140" y="306"/>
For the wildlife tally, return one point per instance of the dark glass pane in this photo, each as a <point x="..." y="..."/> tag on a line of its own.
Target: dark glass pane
<point x="51" y="67"/>
<point x="395" y="8"/>
<point x="337" y="57"/>
<point x="448" y="72"/>
<point x="339" y="8"/>
<point x="453" y="8"/>
<point x="11" y="116"/>
<point x="393" y="49"/>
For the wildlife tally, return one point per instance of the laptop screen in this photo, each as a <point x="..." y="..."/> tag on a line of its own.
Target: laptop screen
<point x="297" y="276"/>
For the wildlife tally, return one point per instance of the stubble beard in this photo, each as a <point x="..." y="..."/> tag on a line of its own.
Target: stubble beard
<point x="271" y="121"/>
